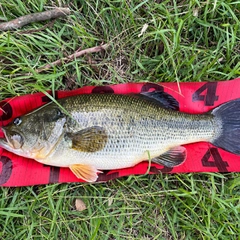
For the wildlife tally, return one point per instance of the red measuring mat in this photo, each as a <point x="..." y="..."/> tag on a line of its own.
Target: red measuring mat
<point x="192" y="98"/>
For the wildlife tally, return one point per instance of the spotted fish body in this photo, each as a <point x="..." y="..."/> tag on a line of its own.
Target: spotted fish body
<point x="88" y="133"/>
<point x="134" y="128"/>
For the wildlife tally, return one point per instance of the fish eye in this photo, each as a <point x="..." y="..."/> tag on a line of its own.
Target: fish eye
<point x="17" y="121"/>
<point x="59" y="113"/>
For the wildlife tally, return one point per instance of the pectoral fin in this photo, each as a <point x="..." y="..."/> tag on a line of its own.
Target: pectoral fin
<point x="173" y="157"/>
<point x="85" y="172"/>
<point x="90" y="139"/>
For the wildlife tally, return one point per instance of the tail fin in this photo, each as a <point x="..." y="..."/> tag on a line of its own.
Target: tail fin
<point x="227" y="117"/>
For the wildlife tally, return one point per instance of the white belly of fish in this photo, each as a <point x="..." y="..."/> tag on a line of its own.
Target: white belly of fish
<point x="110" y="157"/>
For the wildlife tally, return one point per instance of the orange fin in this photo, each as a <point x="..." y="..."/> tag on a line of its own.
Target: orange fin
<point x="173" y="157"/>
<point x="85" y="172"/>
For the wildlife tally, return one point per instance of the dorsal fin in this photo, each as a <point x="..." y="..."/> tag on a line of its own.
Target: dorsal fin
<point x="163" y="99"/>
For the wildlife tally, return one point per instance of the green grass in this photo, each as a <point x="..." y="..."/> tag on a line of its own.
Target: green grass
<point x="185" y="41"/>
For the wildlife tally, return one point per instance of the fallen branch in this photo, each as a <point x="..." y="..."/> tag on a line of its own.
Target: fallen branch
<point x="49" y="24"/>
<point x="35" y="17"/>
<point x="73" y="56"/>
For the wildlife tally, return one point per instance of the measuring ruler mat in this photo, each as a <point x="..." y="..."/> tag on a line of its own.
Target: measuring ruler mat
<point x="194" y="98"/>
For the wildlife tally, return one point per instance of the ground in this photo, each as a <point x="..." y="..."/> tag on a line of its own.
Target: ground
<point x="157" y="41"/>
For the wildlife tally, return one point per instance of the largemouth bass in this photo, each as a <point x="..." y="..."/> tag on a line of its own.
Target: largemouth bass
<point x="92" y="132"/>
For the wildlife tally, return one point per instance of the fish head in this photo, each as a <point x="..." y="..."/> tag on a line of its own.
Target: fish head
<point x="36" y="134"/>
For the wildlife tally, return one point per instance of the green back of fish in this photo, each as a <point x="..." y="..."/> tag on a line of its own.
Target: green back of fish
<point x="122" y="115"/>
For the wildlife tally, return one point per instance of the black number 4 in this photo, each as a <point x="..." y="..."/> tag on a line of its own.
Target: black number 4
<point x="217" y="160"/>
<point x="210" y="97"/>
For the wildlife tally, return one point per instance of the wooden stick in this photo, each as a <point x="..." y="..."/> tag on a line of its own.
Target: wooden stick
<point x="35" y="17"/>
<point x="49" y="24"/>
<point x="73" y="56"/>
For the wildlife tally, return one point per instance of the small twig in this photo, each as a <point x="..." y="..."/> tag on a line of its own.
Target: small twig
<point x="35" y="17"/>
<point x="49" y="24"/>
<point x="73" y="56"/>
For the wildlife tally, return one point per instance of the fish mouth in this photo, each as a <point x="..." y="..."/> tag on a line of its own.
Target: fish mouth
<point x="10" y="144"/>
<point x="5" y="138"/>
<point x="4" y="142"/>
<point x="13" y="140"/>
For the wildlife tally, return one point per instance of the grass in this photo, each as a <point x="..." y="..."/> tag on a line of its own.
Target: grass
<point x="185" y="41"/>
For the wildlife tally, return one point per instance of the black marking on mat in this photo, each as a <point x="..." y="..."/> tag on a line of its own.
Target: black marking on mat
<point x="217" y="160"/>
<point x="105" y="176"/>
<point x="156" y="170"/>
<point x="209" y="97"/>
<point x="54" y="174"/>
<point x="146" y="87"/>
<point x="102" y="89"/>
<point x="46" y="99"/>
<point x="6" y="111"/>
<point x="6" y="169"/>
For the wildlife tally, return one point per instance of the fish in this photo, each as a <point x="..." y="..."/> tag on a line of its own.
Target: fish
<point x="89" y="133"/>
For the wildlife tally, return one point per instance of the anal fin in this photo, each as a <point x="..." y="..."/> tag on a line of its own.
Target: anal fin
<point x="173" y="157"/>
<point x="85" y="172"/>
